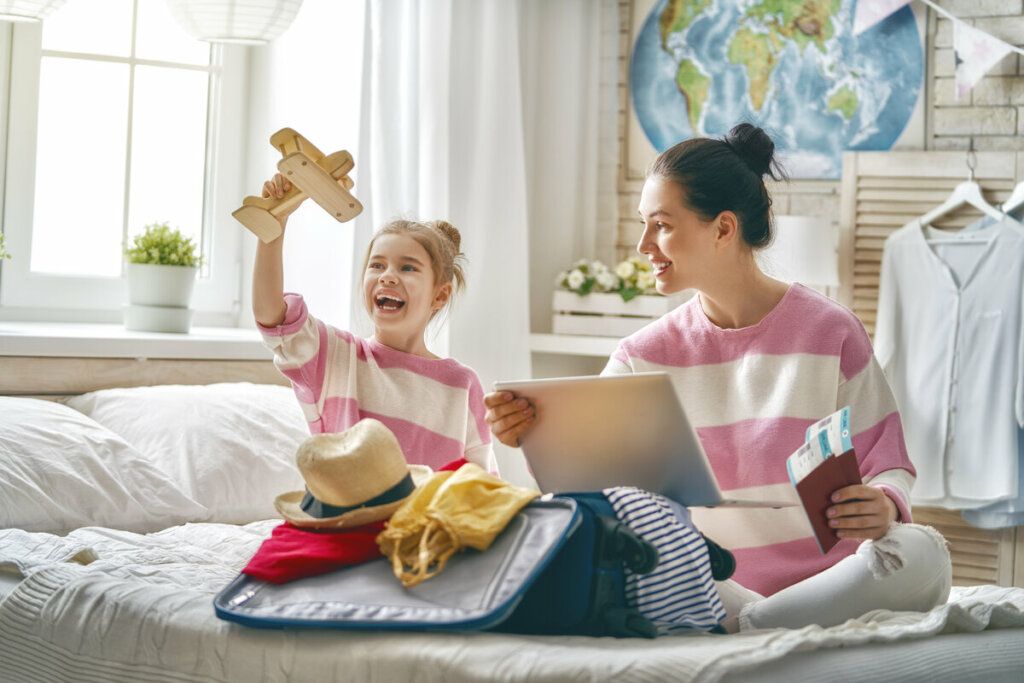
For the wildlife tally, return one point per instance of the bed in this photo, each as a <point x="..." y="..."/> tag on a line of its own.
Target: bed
<point x="126" y="509"/>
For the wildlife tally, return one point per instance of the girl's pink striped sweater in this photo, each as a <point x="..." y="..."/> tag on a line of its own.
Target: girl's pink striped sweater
<point x="434" y="407"/>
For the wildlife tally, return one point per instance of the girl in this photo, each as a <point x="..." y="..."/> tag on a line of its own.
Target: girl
<point x="755" y="362"/>
<point x="433" y="405"/>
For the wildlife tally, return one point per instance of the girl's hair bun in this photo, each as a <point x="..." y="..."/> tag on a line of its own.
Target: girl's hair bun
<point x="755" y="148"/>
<point x="449" y="231"/>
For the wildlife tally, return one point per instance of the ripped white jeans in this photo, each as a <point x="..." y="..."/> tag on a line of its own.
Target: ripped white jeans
<point x="908" y="569"/>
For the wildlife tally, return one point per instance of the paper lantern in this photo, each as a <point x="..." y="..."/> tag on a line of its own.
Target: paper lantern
<point x="27" y="10"/>
<point x="248" y="22"/>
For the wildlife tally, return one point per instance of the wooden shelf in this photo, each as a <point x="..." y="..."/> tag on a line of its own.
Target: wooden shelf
<point x="572" y="344"/>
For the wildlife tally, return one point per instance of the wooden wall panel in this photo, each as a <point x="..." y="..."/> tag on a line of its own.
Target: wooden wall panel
<point x="980" y="556"/>
<point x="882" y="192"/>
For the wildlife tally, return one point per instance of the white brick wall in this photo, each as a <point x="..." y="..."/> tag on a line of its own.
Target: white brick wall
<point x="966" y="9"/>
<point x="990" y="116"/>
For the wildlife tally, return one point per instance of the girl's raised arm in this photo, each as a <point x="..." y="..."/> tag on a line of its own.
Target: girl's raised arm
<point x="268" y="305"/>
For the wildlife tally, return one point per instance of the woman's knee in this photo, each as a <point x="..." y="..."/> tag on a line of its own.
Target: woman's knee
<point x="916" y="557"/>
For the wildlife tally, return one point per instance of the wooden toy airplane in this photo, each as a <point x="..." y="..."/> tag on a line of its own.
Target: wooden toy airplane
<point x="323" y="178"/>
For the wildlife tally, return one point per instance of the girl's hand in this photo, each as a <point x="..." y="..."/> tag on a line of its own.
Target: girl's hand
<point x="861" y="511"/>
<point x="277" y="187"/>
<point x="508" y="417"/>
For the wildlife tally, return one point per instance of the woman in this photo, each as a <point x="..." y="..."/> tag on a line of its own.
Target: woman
<point x="756" y="361"/>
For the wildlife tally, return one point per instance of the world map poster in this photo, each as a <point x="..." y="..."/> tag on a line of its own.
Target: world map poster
<point x="793" y="67"/>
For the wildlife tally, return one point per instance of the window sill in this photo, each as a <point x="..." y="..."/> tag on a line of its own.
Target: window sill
<point x="86" y="340"/>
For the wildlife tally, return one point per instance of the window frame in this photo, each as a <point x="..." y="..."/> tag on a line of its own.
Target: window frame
<point x="46" y="297"/>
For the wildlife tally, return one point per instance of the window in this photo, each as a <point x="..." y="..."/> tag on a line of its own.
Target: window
<point x="117" y="119"/>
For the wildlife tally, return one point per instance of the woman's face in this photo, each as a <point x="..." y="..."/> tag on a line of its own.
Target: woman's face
<point x="676" y="241"/>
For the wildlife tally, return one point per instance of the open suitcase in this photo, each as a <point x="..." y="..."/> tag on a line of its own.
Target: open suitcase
<point x="556" y="568"/>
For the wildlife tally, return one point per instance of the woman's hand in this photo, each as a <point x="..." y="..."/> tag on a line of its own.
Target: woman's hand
<point x="861" y="511"/>
<point x="508" y="416"/>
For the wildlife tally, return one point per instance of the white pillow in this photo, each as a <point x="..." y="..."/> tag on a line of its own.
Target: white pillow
<point x="230" y="446"/>
<point x="59" y="470"/>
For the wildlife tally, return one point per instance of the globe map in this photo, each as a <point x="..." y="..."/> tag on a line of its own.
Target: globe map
<point x="792" y="67"/>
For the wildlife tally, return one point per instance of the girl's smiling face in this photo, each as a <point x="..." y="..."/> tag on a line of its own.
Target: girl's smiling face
<point x="678" y="243"/>
<point x="399" y="292"/>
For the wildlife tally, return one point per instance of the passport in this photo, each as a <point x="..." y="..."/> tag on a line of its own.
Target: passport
<point x="825" y="462"/>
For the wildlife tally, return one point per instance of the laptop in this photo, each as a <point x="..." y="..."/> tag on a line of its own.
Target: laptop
<point x="595" y="432"/>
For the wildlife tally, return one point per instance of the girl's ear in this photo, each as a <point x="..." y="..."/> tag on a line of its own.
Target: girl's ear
<point x="441" y="296"/>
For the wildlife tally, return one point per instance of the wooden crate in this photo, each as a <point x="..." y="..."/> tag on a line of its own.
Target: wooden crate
<point x="606" y="315"/>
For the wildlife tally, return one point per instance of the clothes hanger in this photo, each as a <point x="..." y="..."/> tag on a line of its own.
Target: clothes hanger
<point x="1016" y="199"/>
<point x="967" y="192"/>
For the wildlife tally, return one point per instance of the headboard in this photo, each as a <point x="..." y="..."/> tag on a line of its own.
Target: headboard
<point x="57" y="377"/>
<point x="882" y="192"/>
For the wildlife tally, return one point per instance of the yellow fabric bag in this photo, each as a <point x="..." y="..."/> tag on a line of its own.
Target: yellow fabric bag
<point x="446" y="514"/>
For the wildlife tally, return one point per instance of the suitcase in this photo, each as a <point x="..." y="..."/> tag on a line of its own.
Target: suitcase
<point x="581" y="591"/>
<point x="557" y="568"/>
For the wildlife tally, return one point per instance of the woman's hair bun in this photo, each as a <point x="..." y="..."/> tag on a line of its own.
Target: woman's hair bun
<point x="449" y="231"/>
<point x="755" y="148"/>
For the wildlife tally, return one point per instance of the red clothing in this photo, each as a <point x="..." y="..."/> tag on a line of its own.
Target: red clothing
<point x="453" y="465"/>
<point x="293" y="553"/>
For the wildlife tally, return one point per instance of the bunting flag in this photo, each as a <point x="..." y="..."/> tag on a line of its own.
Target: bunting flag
<point x="870" y="12"/>
<point x="974" y="53"/>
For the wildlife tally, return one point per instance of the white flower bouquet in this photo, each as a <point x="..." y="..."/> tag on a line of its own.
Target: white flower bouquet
<point x="630" y="278"/>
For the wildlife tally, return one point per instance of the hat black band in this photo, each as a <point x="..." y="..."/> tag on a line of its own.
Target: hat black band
<point x="321" y="510"/>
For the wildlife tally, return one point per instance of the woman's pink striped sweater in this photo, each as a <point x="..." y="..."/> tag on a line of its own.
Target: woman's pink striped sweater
<point x="751" y="393"/>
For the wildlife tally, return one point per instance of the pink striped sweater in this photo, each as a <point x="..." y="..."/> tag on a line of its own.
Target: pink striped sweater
<point x="434" y="407"/>
<point x="751" y="393"/>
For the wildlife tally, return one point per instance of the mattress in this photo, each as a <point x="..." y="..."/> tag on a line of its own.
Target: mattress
<point x="100" y="605"/>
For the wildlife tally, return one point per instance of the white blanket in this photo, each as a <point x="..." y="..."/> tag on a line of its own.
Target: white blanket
<point x="141" y="609"/>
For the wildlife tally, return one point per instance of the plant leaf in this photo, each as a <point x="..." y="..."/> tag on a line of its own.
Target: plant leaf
<point x="628" y="293"/>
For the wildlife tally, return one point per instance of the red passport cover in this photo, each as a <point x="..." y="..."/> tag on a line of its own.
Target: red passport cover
<point x="816" y="489"/>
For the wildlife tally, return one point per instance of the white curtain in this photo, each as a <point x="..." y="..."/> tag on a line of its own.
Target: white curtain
<point x="441" y="137"/>
<point x="486" y="113"/>
<point x="570" y="62"/>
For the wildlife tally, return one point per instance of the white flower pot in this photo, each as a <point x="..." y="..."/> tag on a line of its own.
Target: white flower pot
<point x="177" y="319"/>
<point x="152" y="285"/>
<point x="159" y="297"/>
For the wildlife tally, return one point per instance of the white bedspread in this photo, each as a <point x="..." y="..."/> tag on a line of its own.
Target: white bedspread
<point x="141" y="609"/>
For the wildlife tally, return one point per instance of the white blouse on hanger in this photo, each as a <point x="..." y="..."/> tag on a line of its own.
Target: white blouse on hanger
<point x="949" y="336"/>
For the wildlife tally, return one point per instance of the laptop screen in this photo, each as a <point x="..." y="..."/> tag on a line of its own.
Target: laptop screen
<point x="597" y="432"/>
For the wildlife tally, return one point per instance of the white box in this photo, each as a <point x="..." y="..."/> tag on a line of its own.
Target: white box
<point x="607" y="315"/>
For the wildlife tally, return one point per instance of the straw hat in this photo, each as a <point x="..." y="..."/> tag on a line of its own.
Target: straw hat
<point x="353" y="477"/>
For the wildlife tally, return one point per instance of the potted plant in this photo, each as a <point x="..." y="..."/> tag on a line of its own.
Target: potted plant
<point x="3" y="248"/>
<point x="161" y="274"/>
